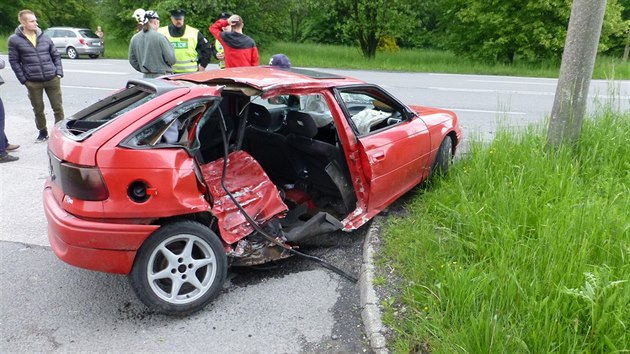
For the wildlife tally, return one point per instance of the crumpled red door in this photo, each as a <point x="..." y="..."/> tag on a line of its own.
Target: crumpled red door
<point x="251" y="187"/>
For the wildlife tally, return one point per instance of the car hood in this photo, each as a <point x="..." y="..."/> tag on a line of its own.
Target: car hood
<point x="423" y="110"/>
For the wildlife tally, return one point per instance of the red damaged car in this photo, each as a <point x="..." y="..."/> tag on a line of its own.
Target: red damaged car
<point x="172" y="180"/>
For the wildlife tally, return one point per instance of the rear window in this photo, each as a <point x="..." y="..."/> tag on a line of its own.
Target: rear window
<point x="84" y="122"/>
<point x="88" y="34"/>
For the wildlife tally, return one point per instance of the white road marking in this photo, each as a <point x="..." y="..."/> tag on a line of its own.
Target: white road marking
<point x="90" y="88"/>
<point x="484" y="111"/>
<point x="515" y="82"/>
<point x="520" y="92"/>
<point x="97" y="72"/>
<point x="452" y="89"/>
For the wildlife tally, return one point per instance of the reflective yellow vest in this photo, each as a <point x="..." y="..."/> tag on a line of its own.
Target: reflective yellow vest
<point x="185" y="49"/>
<point x="219" y="48"/>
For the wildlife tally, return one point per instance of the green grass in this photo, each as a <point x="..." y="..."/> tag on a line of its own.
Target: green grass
<point x="420" y="60"/>
<point x="520" y="249"/>
<point x="333" y="56"/>
<point x="115" y="49"/>
<point x="417" y="60"/>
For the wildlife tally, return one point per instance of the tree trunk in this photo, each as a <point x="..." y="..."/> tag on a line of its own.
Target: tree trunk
<point x="576" y="70"/>
<point x="510" y="56"/>
<point x="370" y="48"/>
<point x="368" y="43"/>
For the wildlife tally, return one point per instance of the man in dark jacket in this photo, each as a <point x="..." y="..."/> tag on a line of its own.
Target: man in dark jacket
<point x="37" y="65"/>
<point x="239" y="49"/>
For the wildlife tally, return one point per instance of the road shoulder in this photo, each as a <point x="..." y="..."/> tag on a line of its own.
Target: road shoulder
<point x="371" y="313"/>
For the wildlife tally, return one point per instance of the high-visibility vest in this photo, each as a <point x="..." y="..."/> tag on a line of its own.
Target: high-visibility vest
<point x="185" y="49"/>
<point x="219" y="48"/>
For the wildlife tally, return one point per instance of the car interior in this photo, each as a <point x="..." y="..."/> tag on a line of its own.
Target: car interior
<point x="295" y="153"/>
<point x="292" y="136"/>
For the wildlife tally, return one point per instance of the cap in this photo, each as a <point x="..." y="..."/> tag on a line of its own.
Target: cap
<point x="178" y="13"/>
<point x="150" y="14"/>
<point x="224" y="15"/>
<point x="280" y="60"/>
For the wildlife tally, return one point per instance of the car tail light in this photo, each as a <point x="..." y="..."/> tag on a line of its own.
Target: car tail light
<point x="83" y="41"/>
<point x="84" y="183"/>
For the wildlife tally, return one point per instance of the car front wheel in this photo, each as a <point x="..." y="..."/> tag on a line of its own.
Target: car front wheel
<point x="72" y="53"/>
<point x="179" y="269"/>
<point x="443" y="158"/>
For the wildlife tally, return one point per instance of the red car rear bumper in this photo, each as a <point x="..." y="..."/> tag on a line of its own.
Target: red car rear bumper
<point x="100" y="246"/>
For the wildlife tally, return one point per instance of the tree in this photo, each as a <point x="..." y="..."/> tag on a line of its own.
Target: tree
<point x="116" y="18"/>
<point x="367" y="21"/>
<point x="321" y="24"/>
<point x="625" y="38"/>
<point x="298" y="13"/>
<point x="8" y="15"/>
<point x="576" y="70"/>
<point x="502" y="30"/>
<point x="425" y="27"/>
<point x="49" y="13"/>
<point x="72" y="13"/>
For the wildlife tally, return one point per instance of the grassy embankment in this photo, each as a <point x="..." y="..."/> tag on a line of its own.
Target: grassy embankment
<point x="519" y="250"/>
<point x="332" y="56"/>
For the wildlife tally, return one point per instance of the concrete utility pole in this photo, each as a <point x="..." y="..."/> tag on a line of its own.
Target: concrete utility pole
<point x="626" y="50"/>
<point x="576" y="70"/>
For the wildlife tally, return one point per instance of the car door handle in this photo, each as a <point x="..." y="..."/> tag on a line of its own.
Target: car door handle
<point x="378" y="155"/>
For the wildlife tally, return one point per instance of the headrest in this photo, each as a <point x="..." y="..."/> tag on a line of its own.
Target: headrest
<point x="300" y="123"/>
<point x="259" y="116"/>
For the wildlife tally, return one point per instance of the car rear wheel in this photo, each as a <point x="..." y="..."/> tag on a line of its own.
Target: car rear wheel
<point x="72" y="53"/>
<point x="443" y="158"/>
<point x="179" y="269"/>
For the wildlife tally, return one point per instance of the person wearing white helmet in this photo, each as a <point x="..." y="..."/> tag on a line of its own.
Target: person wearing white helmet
<point x="138" y="15"/>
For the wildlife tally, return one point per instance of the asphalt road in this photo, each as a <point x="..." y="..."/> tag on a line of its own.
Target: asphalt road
<point x="293" y="306"/>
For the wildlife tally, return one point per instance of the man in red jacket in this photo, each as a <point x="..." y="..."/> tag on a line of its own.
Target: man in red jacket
<point x="239" y="49"/>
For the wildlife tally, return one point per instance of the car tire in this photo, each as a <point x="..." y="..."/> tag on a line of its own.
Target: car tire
<point x="443" y="159"/>
<point x="94" y="56"/>
<point x="72" y="53"/>
<point x="185" y="254"/>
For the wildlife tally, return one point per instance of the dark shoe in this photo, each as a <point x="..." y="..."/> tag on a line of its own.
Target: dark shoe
<point x="43" y="136"/>
<point x="8" y="158"/>
<point x="12" y="147"/>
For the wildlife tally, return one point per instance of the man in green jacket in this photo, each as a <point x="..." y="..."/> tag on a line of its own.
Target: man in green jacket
<point x="149" y="51"/>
